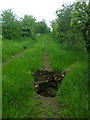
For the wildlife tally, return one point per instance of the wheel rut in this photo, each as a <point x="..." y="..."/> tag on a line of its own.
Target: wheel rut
<point x="13" y="57"/>
<point x="46" y="103"/>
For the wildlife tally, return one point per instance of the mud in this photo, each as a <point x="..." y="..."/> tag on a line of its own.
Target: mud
<point x="47" y="82"/>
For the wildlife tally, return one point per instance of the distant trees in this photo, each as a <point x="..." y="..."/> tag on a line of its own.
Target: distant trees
<point x="8" y="26"/>
<point x="0" y="29"/>
<point x="41" y="27"/>
<point x="13" y="27"/>
<point x="28" y="23"/>
<point x="73" y="24"/>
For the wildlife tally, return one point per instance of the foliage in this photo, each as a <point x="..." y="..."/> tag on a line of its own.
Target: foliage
<point x="71" y="29"/>
<point x="12" y="47"/>
<point x="72" y="24"/>
<point x="81" y="20"/>
<point x="18" y="100"/>
<point x="73" y="90"/>
<point x="0" y="28"/>
<point x="13" y="27"/>
<point x="10" y="26"/>
<point x="28" y="23"/>
<point x="19" y="96"/>
<point x="41" y="27"/>
<point x="62" y="23"/>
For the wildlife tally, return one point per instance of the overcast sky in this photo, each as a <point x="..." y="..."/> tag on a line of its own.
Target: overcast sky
<point x="40" y="9"/>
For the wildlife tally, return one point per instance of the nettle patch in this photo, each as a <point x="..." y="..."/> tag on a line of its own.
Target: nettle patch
<point x="47" y="82"/>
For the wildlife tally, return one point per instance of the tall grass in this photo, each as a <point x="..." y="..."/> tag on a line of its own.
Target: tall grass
<point x="18" y="92"/>
<point x="12" y="47"/>
<point x="0" y="78"/>
<point x="73" y="93"/>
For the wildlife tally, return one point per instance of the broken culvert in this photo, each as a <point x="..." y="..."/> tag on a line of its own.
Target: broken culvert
<point x="47" y="82"/>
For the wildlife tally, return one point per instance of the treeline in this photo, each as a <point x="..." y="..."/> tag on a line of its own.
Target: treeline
<point x="14" y="27"/>
<point x="72" y="25"/>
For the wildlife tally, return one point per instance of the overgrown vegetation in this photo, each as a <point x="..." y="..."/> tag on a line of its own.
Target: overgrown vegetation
<point x="14" y="27"/>
<point x="15" y="46"/>
<point x="0" y="78"/>
<point x="67" y="46"/>
<point x="72" y="25"/>
<point x="19" y="79"/>
<point x="73" y="92"/>
<point x="18" y="92"/>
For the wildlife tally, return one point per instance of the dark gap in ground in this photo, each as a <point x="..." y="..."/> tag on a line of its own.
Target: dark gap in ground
<point x="47" y="82"/>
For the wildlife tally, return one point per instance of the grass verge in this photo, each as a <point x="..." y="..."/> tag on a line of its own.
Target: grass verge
<point x="73" y="92"/>
<point x="0" y="78"/>
<point x="18" y="100"/>
<point x="12" y="47"/>
<point x="18" y="92"/>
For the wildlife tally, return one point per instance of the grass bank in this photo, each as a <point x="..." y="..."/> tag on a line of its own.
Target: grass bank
<point x="0" y="78"/>
<point x="18" y="93"/>
<point x="12" y="47"/>
<point x="73" y="93"/>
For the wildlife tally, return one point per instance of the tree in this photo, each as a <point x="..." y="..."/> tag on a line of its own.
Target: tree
<point x="0" y="28"/>
<point x="81" y="20"/>
<point x="54" y="25"/>
<point x="73" y="24"/>
<point x="64" y="17"/>
<point x="12" y="27"/>
<point x="41" y="27"/>
<point x="8" y="19"/>
<point x="62" y="24"/>
<point x="28" y="23"/>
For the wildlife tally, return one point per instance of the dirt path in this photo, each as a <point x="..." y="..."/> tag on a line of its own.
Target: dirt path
<point x="46" y="63"/>
<point x="47" y="106"/>
<point x="13" y="57"/>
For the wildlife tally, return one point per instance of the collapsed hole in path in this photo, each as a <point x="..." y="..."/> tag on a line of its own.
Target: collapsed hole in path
<point x="47" y="82"/>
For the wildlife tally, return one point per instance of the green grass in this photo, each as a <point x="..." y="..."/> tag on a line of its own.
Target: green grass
<point x="12" y="47"/>
<point x="0" y="78"/>
<point x="73" y="93"/>
<point x="0" y="50"/>
<point x="0" y="91"/>
<point x="18" y="100"/>
<point x="18" y="92"/>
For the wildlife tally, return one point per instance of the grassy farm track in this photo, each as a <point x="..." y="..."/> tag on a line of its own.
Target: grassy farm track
<point x="20" y="98"/>
<point x="13" y="57"/>
<point x="48" y="107"/>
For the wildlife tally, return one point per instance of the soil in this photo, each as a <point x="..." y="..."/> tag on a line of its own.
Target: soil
<point x="46" y="63"/>
<point x="47" y="107"/>
<point x="47" y="82"/>
<point x="46" y="86"/>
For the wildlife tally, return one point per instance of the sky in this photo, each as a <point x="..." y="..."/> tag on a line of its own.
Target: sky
<point x="40" y="9"/>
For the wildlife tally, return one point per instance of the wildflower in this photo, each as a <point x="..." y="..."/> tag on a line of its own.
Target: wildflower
<point x="29" y="72"/>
